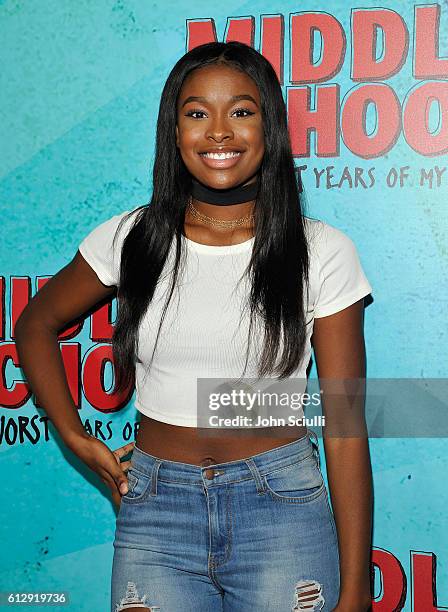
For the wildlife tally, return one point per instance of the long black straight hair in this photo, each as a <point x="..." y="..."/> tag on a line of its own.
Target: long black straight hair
<point x="278" y="267"/>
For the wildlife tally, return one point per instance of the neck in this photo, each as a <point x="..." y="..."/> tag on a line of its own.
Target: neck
<point x="224" y="197"/>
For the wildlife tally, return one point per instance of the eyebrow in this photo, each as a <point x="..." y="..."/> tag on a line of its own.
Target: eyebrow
<point x="233" y="98"/>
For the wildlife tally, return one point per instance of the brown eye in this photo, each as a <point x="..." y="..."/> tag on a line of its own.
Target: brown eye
<point x="244" y="110"/>
<point x="193" y="112"/>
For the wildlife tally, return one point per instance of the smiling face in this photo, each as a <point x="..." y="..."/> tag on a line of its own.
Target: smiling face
<point x="219" y="128"/>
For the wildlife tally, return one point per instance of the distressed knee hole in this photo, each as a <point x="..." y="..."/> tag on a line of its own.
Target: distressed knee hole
<point x="308" y="596"/>
<point x="133" y="602"/>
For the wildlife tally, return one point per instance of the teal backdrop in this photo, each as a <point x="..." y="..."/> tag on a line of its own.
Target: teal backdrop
<point x="80" y="85"/>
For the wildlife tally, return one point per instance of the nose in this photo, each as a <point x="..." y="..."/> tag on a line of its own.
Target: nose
<point x="219" y="129"/>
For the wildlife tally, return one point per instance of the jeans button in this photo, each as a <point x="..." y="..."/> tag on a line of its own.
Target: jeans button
<point x="210" y="472"/>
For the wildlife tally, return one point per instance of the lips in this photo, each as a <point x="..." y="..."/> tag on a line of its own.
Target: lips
<point x="221" y="158"/>
<point x="222" y="149"/>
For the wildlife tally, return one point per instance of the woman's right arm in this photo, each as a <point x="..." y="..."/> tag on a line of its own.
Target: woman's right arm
<point x="65" y="297"/>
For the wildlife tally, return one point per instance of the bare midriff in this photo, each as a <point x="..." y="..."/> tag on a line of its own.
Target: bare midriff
<point x="198" y="445"/>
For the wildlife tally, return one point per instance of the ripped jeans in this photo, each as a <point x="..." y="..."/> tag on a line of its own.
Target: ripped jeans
<point x="250" y="535"/>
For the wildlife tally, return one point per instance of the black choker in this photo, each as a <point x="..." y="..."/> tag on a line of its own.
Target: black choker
<point x="224" y="197"/>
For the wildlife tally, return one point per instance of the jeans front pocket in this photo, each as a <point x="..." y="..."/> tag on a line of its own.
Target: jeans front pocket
<point x="299" y="482"/>
<point x="138" y="486"/>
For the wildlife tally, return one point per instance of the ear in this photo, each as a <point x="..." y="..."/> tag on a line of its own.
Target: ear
<point x="177" y="136"/>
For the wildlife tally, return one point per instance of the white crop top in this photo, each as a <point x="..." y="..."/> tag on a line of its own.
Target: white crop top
<point x="201" y="335"/>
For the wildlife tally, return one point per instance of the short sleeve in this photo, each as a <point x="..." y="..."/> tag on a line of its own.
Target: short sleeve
<point x="342" y="280"/>
<point x="101" y="252"/>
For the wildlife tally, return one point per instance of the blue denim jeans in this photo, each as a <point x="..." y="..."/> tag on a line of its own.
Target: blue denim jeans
<point x="255" y="535"/>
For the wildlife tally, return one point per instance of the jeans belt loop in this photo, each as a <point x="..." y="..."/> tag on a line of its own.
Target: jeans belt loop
<point x="155" y="472"/>
<point x="313" y="437"/>
<point x="256" y="474"/>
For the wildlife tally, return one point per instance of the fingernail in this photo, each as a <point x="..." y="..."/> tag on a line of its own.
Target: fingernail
<point x="123" y="488"/>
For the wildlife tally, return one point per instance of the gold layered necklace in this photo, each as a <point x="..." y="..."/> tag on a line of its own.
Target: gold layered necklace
<point x="218" y="222"/>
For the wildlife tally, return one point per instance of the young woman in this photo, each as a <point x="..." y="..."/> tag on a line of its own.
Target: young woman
<point x="220" y="276"/>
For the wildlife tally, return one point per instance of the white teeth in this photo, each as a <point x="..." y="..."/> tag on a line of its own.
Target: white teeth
<point x="223" y="155"/>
